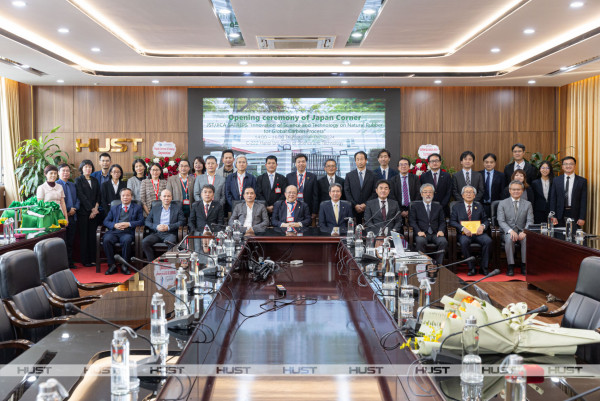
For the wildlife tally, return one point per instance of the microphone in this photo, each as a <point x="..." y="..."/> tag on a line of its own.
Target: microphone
<point x="580" y="396"/>
<point x="371" y="218"/>
<point x="207" y="271"/>
<point x="439" y="267"/>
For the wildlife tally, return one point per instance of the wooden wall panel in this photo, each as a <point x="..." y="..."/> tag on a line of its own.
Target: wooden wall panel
<point x="109" y="109"/>
<point x="53" y="106"/>
<point x="478" y="109"/>
<point x="535" y="109"/>
<point x="166" y="109"/>
<point x="410" y="142"/>
<point x="123" y="158"/>
<point x="420" y="109"/>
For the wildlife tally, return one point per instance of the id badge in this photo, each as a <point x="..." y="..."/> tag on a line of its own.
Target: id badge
<point x="290" y="219"/>
<point x="277" y="190"/>
<point x="301" y="196"/>
<point x="186" y="201"/>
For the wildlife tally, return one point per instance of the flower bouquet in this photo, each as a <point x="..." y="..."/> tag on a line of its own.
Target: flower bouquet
<point x="418" y="166"/>
<point x="170" y="166"/>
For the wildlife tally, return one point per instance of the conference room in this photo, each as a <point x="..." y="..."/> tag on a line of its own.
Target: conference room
<point x="351" y="199"/>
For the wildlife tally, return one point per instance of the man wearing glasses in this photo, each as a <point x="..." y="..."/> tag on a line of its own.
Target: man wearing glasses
<point x="568" y="195"/>
<point x="441" y="181"/>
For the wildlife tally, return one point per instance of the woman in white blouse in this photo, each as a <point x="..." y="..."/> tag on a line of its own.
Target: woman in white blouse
<point x="541" y="191"/>
<point x="139" y="174"/>
<point x="50" y="191"/>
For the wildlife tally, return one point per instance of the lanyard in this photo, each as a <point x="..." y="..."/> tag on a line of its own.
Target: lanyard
<point x="185" y="187"/>
<point x="156" y="188"/>
<point x="213" y="179"/>
<point x="291" y="210"/>
<point x="241" y="184"/>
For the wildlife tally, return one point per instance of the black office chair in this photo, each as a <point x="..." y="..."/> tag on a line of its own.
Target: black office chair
<point x="27" y="304"/>
<point x="10" y="345"/>
<point x="497" y="234"/>
<point x="57" y="278"/>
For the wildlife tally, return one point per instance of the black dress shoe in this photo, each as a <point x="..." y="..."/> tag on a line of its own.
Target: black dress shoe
<point x="125" y="270"/>
<point x="485" y="272"/>
<point x="511" y="271"/>
<point x="112" y="269"/>
<point x="471" y="272"/>
<point x="523" y="269"/>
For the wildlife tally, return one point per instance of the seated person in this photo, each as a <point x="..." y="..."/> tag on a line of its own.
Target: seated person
<point x="334" y="213"/>
<point x="252" y="215"/>
<point x="205" y="212"/>
<point x="428" y="222"/>
<point x="291" y="213"/>
<point x="472" y="211"/>
<point x="514" y="215"/>
<point x="163" y="221"/>
<point x="382" y="211"/>
<point x="121" y="222"/>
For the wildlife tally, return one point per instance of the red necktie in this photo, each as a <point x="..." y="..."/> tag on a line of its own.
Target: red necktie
<point x="469" y="212"/>
<point x="125" y="207"/>
<point x="383" y="213"/>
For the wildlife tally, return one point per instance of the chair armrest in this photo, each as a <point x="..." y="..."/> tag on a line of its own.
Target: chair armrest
<point x="137" y="243"/>
<point x="20" y="344"/>
<point x="95" y="287"/>
<point x="557" y="312"/>
<point x="452" y="243"/>
<point x="99" y="233"/>
<point x="19" y="319"/>
<point x="76" y="300"/>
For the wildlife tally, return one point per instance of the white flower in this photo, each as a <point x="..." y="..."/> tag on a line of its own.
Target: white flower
<point x="412" y="166"/>
<point x="419" y="165"/>
<point x="419" y="172"/>
<point x="171" y="162"/>
<point x="165" y="171"/>
<point x="156" y="160"/>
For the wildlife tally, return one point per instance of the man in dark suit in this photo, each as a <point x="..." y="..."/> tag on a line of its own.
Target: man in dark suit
<point x="469" y="210"/>
<point x="291" y="213"/>
<point x="205" y="212"/>
<point x="384" y="171"/>
<point x="441" y="181"/>
<point x="270" y="186"/>
<point x="71" y="204"/>
<point x="405" y="186"/>
<point x="306" y="183"/>
<point x="518" y="152"/>
<point x="428" y="222"/>
<point x="236" y="183"/>
<point x="467" y="176"/>
<point x="103" y="176"/>
<point x="324" y="183"/>
<point x="163" y="221"/>
<point x="493" y="182"/>
<point x="382" y="211"/>
<point x="568" y="195"/>
<point x="121" y="222"/>
<point x="334" y="213"/>
<point x="359" y="186"/>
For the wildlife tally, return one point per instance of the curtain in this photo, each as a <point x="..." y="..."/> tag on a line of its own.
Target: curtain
<point x="9" y="135"/>
<point x="583" y="134"/>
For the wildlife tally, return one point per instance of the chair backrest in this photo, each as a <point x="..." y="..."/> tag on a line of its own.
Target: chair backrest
<point x="7" y="333"/>
<point x="494" y="210"/>
<point x="115" y="203"/>
<point x="53" y="263"/>
<point x="452" y="205"/>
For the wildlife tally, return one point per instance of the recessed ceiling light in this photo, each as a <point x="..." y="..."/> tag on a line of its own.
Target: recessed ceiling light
<point x="344" y="81"/>
<point x="564" y="68"/>
<point x="234" y="35"/>
<point x="249" y="81"/>
<point x="63" y="30"/>
<point x="529" y="31"/>
<point x="155" y="81"/>
<point x="531" y="82"/>
<point x="575" y="4"/>
<point x="369" y="11"/>
<point x="247" y="73"/>
<point x="224" y="11"/>
<point x="495" y="50"/>
<point x="60" y="81"/>
<point x="95" y="49"/>
<point x="19" y="3"/>
<point x="346" y="62"/>
<point x="437" y="82"/>
<point x="357" y="35"/>
<point x="243" y="62"/>
<point x="24" y="66"/>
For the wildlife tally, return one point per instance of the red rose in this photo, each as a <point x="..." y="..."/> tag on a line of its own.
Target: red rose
<point x="147" y="160"/>
<point x="166" y="159"/>
<point x="162" y="163"/>
<point x="177" y="160"/>
<point x="419" y="161"/>
<point x="444" y="170"/>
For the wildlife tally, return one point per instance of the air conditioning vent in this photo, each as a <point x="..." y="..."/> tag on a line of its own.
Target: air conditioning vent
<point x="295" y="42"/>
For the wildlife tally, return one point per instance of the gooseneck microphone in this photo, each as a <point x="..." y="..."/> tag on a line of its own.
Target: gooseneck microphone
<point x="440" y="267"/>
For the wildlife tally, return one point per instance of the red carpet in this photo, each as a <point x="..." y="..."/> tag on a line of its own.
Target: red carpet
<point x="502" y="277"/>
<point x="88" y="275"/>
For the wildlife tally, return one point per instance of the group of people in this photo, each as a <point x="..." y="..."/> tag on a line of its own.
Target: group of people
<point x="381" y="198"/>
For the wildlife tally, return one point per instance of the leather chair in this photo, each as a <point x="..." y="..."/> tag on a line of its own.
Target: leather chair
<point x="159" y="247"/>
<point x="497" y="234"/>
<point x="429" y="248"/>
<point x="28" y="305"/>
<point x="58" y="280"/>
<point x="10" y="345"/>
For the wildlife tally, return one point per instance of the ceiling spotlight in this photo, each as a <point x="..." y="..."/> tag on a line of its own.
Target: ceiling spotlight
<point x="155" y="81"/>
<point x="531" y="82"/>
<point x="63" y="30"/>
<point x="437" y="82"/>
<point x="529" y="31"/>
<point x="224" y="11"/>
<point x="564" y="68"/>
<point x="60" y="81"/>
<point x="95" y="49"/>
<point x="247" y="73"/>
<point x="495" y="50"/>
<point x="24" y="66"/>
<point x="575" y="4"/>
<point x="249" y="81"/>
<point x="243" y="62"/>
<point x="346" y="62"/>
<point x="344" y="81"/>
<point x="234" y="35"/>
<point x="357" y="35"/>
<point x="19" y="3"/>
<point x="369" y="11"/>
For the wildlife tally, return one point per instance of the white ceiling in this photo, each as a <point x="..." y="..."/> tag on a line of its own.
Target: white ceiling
<point x="447" y="40"/>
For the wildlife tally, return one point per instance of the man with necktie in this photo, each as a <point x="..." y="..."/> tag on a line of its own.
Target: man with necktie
<point x="306" y="184"/>
<point x="330" y="178"/>
<point x="568" y="195"/>
<point x="71" y="204"/>
<point x="384" y="171"/>
<point x="441" y="181"/>
<point x="334" y="212"/>
<point x="270" y="186"/>
<point x="428" y="221"/>
<point x="206" y="212"/>
<point x="467" y="176"/>
<point x="493" y="182"/>
<point x="519" y="162"/>
<point x="382" y="211"/>
<point x="405" y="186"/>
<point x="291" y="212"/>
<point x="359" y="186"/>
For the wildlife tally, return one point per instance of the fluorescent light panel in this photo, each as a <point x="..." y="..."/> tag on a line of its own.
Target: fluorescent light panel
<point x="365" y="20"/>
<point x="224" y="12"/>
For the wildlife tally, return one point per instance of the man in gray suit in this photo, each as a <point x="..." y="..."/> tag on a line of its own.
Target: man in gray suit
<point x="259" y="219"/>
<point x="514" y="215"/>
<point x="467" y="176"/>
<point x="210" y="178"/>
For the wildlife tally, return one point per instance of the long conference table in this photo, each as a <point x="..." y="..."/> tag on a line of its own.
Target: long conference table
<point x="333" y="324"/>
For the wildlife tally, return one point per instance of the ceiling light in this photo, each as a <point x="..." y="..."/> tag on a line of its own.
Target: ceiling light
<point x="249" y="81"/>
<point x="369" y="11"/>
<point x="31" y="379"/>
<point x="95" y="49"/>
<point x="531" y="82"/>
<point x="564" y="68"/>
<point x="356" y="35"/>
<point x="575" y="4"/>
<point x="63" y="30"/>
<point x="344" y="81"/>
<point x="234" y="35"/>
<point x="529" y="31"/>
<point x="60" y="81"/>
<point x="346" y="62"/>
<point x="24" y="66"/>
<point x="224" y="11"/>
<point x="243" y="62"/>
<point x="437" y="82"/>
<point x="19" y="3"/>
<point x="155" y="81"/>
<point x="495" y="50"/>
<point x="247" y="73"/>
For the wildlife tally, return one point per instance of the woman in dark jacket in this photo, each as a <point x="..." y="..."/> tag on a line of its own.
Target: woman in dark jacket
<point x="88" y="192"/>
<point x="519" y="175"/>
<point x="541" y="191"/>
<point x="111" y="189"/>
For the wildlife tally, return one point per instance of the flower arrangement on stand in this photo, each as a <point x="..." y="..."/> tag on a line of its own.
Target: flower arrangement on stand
<point x="418" y="166"/>
<point x="170" y="166"/>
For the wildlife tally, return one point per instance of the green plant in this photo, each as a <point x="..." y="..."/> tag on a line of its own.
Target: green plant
<point x="32" y="157"/>
<point x="537" y="158"/>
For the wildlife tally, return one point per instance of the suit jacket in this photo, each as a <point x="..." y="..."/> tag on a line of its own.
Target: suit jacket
<point x="323" y="184"/>
<point x="530" y="171"/>
<point x="540" y="203"/>
<point x="413" y="188"/>
<point x="264" y="191"/>
<point x="219" y="184"/>
<point x="498" y="185"/>
<point x="311" y="192"/>
<point x="418" y="220"/>
<point x="136" y="217"/>
<point x="301" y="214"/>
<point x="260" y="217"/>
<point x="354" y="193"/>
<point x="174" y="185"/>
<point x="176" y="218"/>
<point x="507" y="220"/>
<point x="232" y="191"/>
<point x="444" y="186"/>
<point x="528" y="194"/>
<point x="71" y="199"/>
<point x="327" y="216"/>
<point x="459" y="213"/>
<point x="374" y="219"/>
<point x="198" y="219"/>
<point x="108" y="194"/>
<point x="88" y="196"/>
<point x="391" y="173"/>
<point x="578" y="197"/>
<point x="458" y="182"/>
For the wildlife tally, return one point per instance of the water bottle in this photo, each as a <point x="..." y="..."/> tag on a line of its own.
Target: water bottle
<point x="51" y="390"/>
<point x="386" y="248"/>
<point x="569" y="229"/>
<point x="550" y="224"/>
<point x="229" y="243"/>
<point x="119" y="365"/>
<point x="406" y="306"/>
<point x="181" y="292"/>
<point x="358" y="243"/>
<point x="471" y="378"/>
<point x="424" y="292"/>
<point x="237" y="231"/>
<point x="470" y="336"/>
<point x="403" y="274"/>
<point x="516" y="379"/>
<point x="579" y="237"/>
<point x="350" y="232"/>
<point x="10" y="223"/>
<point x="370" y="243"/>
<point x="158" y="327"/>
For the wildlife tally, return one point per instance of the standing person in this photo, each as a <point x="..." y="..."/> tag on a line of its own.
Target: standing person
<point x="103" y="176"/>
<point x="359" y="186"/>
<point x="235" y="184"/>
<point x="330" y="178"/>
<point x="140" y="169"/>
<point x="428" y="221"/>
<point x="252" y="215"/>
<point x="199" y="166"/>
<point x="270" y="186"/>
<point x="493" y="182"/>
<point x="163" y="221"/>
<point x="50" y="191"/>
<point x="568" y="195"/>
<point x="72" y="205"/>
<point x="382" y="211"/>
<point x="181" y="186"/>
<point x="306" y="184"/>
<point x="519" y="163"/>
<point x="110" y="190"/>
<point x="467" y="176"/>
<point x="88" y="192"/>
<point x="334" y="213"/>
<point x="227" y="157"/>
<point x="541" y="193"/>
<point x="151" y="188"/>
<point x="384" y="171"/>
<point x="404" y="186"/>
<point x="211" y="178"/>
<point x="441" y="181"/>
<point x="527" y="194"/>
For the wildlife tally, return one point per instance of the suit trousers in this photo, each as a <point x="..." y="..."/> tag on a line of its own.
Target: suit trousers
<point x="111" y="238"/>
<point x="70" y="238"/>
<point x="509" y="248"/>
<point x="440" y="242"/>
<point x="87" y="237"/>
<point x="155" y="238"/>
<point x="486" y="247"/>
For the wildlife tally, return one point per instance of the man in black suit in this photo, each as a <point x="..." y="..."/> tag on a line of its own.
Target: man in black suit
<point x="384" y="171"/>
<point x="441" y="181"/>
<point x="469" y="210"/>
<point x="306" y="183"/>
<point x="329" y="179"/>
<point x="405" y="186"/>
<point x="383" y="211"/>
<point x="493" y="182"/>
<point x="334" y="213"/>
<point x="428" y="221"/>
<point x="163" y="221"/>
<point x="568" y="195"/>
<point x="467" y="176"/>
<point x="270" y="186"/>
<point x="518" y="152"/>
<point x="290" y="212"/>
<point x="205" y="212"/>
<point x="359" y="186"/>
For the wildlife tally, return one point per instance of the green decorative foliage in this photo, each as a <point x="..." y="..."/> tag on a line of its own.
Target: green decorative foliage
<point x="537" y="158"/>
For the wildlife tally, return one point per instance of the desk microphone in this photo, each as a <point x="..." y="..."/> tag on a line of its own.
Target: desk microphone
<point x="440" y="267"/>
<point x="212" y="271"/>
<point x="580" y="396"/>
